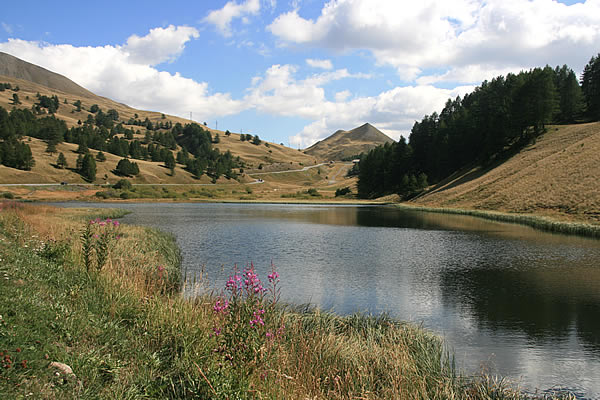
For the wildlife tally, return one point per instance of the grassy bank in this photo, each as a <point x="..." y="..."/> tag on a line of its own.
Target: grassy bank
<point x="534" y="221"/>
<point x="125" y="331"/>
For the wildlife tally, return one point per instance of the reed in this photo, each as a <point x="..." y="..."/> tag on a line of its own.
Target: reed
<point x="534" y="221"/>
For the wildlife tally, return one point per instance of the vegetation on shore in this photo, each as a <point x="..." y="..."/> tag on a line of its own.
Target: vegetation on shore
<point x="534" y="221"/>
<point x="122" y="328"/>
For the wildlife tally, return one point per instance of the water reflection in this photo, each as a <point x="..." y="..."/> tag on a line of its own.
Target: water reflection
<point x="543" y="304"/>
<point x="526" y="302"/>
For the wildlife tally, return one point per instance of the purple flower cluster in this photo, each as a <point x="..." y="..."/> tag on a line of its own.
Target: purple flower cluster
<point x="257" y="318"/>
<point x="221" y="306"/>
<point x="273" y="276"/>
<point x="252" y="282"/>
<point x="234" y="284"/>
<point x="107" y="221"/>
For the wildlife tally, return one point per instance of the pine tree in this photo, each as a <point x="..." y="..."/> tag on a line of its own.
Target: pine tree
<point x="51" y="147"/>
<point x="61" y="161"/>
<point x="590" y="85"/>
<point x="88" y="168"/>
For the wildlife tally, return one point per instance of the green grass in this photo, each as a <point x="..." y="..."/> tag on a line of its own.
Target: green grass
<point x="128" y="333"/>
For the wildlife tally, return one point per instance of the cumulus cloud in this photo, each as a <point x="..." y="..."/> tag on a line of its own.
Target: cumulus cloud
<point x="323" y="64"/>
<point x="416" y="36"/>
<point x="126" y="73"/>
<point x="222" y="17"/>
<point x="279" y="92"/>
<point x="160" y="45"/>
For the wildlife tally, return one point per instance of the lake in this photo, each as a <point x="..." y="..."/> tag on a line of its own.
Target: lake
<point x="507" y="299"/>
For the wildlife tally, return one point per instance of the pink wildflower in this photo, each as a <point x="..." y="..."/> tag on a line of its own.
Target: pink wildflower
<point x="221" y="306"/>
<point x="273" y="276"/>
<point x="116" y="223"/>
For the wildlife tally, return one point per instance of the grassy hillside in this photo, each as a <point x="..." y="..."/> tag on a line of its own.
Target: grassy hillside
<point x="344" y="144"/>
<point x="557" y="176"/>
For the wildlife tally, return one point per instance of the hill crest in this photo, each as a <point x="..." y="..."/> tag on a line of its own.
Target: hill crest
<point x="343" y="144"/>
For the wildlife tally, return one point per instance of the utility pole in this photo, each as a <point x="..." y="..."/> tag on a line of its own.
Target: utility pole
<point x="191" y="120"/>
<point x="217" y="125"/>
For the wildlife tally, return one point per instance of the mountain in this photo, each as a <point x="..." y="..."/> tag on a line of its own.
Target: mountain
<point x="16" y="68"/>
<point x="345" y="144"/>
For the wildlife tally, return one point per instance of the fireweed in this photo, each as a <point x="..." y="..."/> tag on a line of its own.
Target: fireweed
<point x="97" y="239"/>
<point x="248" y="323"/>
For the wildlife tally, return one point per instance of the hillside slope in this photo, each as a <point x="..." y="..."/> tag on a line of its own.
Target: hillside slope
<point x="556" y="176"/>
<point x="344" y="144"/>
<point x="32" y="79"/>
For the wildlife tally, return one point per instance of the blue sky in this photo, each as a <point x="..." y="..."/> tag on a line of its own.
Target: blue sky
<point x="295" y="71"/>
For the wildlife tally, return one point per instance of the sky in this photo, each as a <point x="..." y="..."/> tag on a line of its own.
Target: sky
<point x="296" y="71"/>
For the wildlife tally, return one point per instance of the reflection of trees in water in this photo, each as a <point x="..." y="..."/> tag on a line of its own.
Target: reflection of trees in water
<point x="513" y="300"/>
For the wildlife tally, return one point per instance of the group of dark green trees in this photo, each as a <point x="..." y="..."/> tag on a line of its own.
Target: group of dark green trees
<point x="497" y="118"/>
<point x="103" y="134"/>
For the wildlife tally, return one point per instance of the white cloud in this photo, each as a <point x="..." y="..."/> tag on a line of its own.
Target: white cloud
<point x="125" y="73"/>
<point x="7" y="28"/>
<point x="160" y="45"/>
<point x="222" y="17"/>
<point x="474" y="74"/>
<point x="323" y="64"/>
<point x="279" y="93"/>
<point x="342" y="96"/>
<point x="416" y="36"/>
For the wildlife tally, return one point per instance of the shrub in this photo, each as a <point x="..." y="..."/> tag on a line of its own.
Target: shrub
<point x="342" y="191"/>
<point x="123" y="184"/>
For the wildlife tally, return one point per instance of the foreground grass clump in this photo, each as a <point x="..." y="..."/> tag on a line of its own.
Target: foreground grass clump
<point x="120" y="327"/>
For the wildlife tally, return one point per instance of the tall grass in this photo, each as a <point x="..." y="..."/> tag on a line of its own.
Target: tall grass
<point x="128" y="332"/>
<point x="534" y="221"/>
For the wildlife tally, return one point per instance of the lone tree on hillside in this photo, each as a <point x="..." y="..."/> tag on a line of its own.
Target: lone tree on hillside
<point x="170" y="162"/>
<point x="127" y="168"/>
<point x="61" y="161"/>
<point x="88" y="167"/>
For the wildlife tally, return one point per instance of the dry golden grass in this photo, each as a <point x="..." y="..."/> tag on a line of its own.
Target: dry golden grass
<point x="557" y="176"/>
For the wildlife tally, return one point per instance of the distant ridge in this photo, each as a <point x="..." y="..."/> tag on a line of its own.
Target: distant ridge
<point x="344" y="144"/>
<point x="16" y="68"/>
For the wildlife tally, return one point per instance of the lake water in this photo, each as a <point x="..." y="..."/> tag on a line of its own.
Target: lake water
<point x="507" y="299"/>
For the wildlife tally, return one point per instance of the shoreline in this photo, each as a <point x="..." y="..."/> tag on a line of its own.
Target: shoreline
<point x="539" y="222"/>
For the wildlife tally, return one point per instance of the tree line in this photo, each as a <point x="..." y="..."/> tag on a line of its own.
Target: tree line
<point x="497" y="118"/>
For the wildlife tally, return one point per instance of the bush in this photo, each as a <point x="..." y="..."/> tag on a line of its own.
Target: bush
<point x="8" y="195"/>
<point x="342" y="191"/>
<point x="123" y="184"/>
<point x="313" y="192"/>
